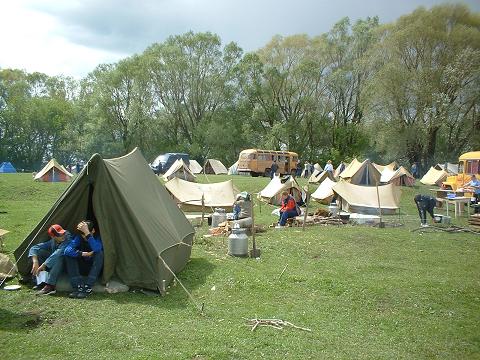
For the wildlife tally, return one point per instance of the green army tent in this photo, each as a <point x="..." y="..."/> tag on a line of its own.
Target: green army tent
<point x="142" y="229"/>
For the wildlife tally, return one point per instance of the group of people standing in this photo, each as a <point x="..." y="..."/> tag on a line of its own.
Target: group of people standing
<point x="81" y="254"/>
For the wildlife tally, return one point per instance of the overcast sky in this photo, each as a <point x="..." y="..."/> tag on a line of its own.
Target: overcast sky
<point x="71" y="37"/>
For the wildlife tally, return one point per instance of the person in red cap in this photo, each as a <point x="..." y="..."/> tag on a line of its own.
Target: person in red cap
<point x="48" y="256"/>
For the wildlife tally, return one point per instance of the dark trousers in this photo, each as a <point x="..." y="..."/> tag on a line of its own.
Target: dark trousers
<point x="76" y="267"/>
<point x="285" y="215"/>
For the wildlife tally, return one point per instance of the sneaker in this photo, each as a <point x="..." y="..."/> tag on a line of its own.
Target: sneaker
<point x="47" y="290"/>
<point x="74" y="293"/>
<point x="85" y="291"/>
<point x="279" y="227"/>
<point x="424" y="225"/>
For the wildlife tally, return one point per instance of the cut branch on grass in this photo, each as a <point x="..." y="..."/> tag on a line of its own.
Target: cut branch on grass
<point x="275" y="323"/>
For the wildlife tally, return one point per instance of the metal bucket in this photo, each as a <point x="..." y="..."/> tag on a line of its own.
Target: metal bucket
<point x="238" y="243"/>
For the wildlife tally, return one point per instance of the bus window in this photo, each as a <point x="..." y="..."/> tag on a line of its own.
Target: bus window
<point x="461" y="165"/>
<point x="469" y="169"/>
<point x="475" y="167"/>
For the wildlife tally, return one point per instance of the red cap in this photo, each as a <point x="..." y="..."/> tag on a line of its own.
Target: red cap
<point x="55" y="230"/>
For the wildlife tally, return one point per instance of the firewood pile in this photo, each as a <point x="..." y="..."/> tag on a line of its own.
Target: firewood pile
<point x="317" y="220"/>
<point x="474" y="222"/>
<point x="274" y="323"/>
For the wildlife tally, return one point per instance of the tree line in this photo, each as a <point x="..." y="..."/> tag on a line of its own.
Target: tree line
<point x="406" y="91"/>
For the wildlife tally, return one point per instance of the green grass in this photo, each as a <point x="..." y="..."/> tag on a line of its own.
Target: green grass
<point x="365" y="292"/>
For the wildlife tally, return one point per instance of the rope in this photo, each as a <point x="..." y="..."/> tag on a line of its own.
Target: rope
<point x="184" y="288"/>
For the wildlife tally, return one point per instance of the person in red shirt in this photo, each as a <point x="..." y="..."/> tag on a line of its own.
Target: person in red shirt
<point x="288" y="209"/>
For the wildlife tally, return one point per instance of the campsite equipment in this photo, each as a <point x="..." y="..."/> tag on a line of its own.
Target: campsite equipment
<point x="243" y="223"/>
<point x="7" y="167"/>
<point x="344" y="216"/>
<point x="362" y="219"/>
<point x="441" y="219"/>
<point x="53" y="172"/>
<point x="361" y="173"/>
<point x="213" y="166"/>
<point x="218" y="217"/>
<point x="145" y="235"/>
<point x="195" y="167"/>
<point x="238" y="242"/>
<point x="189" y="195"/>
<point x="12" y="287"/>
<point x="399" y="177"/>
<point x="324" y="193"/>
<point x="180" y="170"/>
<point x="272" y="193"/>
<point x="434" y="177"/>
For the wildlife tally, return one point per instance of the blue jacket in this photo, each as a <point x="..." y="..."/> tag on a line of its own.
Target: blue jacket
<point x="56" y="249"/>
<point x="73" y="248"/>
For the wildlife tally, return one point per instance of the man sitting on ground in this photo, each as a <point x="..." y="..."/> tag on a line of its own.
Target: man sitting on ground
<point x="84" y="257"/>
<point x="288" y="209"/>
<point x="48" y="256"/>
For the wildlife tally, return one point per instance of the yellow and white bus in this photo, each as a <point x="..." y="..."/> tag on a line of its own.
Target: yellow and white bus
<point x="256" y="162"/>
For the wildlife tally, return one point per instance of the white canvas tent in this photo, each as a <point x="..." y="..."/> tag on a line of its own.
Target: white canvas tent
<point x="195" y="167"/>
<point x="450" y="168"/>
<point x="233" y="170"/>
<point x="399" y="177"/>
<point x="317" y="167"/>
<point x="189" y="195"/>
<point x="364" y="199"/>
<point x="179" y="170"/>
<point x="361" y="173"/>
<point x="53" y="172"/>
<point x="434" y="177"/>
<point x="392" y="166"/>
<point x="324" y="192"/>
<point x="213" y="166"/>
<point x="272" y="193"/>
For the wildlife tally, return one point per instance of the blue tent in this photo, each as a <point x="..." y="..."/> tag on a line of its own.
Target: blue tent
<point x="7" y="167"/>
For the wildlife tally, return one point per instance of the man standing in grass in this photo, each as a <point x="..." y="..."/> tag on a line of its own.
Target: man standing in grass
<point x="48" y="256"/>
<point x="84" y="257"/>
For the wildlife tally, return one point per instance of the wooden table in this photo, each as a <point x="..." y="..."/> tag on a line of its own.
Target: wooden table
<point x="458" y="202"/>
<point x="442" y="193"/>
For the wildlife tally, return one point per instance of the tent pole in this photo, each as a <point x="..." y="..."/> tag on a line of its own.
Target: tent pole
<point x="307" y="197"/>
<point x="203" y="209"/>
<point x="380" y="225"/>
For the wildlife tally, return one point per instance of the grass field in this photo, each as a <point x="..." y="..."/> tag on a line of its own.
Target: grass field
<point x="365" y="293"/>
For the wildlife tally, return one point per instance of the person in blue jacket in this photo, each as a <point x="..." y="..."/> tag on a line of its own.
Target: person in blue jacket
<point x="84" y="257"/>
<point x="48" y="256"/>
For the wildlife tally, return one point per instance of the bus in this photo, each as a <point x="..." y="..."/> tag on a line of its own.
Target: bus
<point x="468" y="164"/>
<point x="257" y="162"/>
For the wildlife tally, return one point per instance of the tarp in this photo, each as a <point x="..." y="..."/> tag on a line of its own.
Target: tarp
<point x="364" y="199"/>
<point x="361" y="173"/>
<point x="317" y="167"/>
<point x="450" y="168"/>
<point x="189" y="195"/>
<point x="318" y="176"/>
<point x="399" y="177"/>
<point x="195" y="167"/>
<point x="272" y="193"/>
<point x="141" y="227"/>
<point x="7" y="167"/>
<point x="233" y="170"/>
<point x="179" y="170"/>
<point x="53" y="172"/>
<point x="213" y="166"/>
<point x="324" y="192"/>
<point x="434" y="177"/>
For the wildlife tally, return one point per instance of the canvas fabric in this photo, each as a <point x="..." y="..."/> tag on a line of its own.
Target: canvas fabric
<point x="361" y="173"/>
<point x="195" y="167"/>
<point x="434" y="177"/>
<point x="179" y="170"/>
<point x="53" y="172"/>
<point x="324" y="192"/>
<point x="272" y="193"/>
<point x="141" y="227"/>
<point x="213" y="166"/>
<point x="364" y="199"/>
<point x="189" y="195"/>
<point x="399" y="177"/>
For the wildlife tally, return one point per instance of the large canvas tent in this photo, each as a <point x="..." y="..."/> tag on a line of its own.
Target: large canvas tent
<point x="143" y="232"/>
<point x="272" y="193"/>
<point x="392" y="166"/>
<point x="364" y="199"/>
<point x="179" y="170"/>
<point x="189" y="195"/>
<point x="342" y="166"/>
<point x="195" y="167"/>
<point x="324" y="193"/>
<point x="233" y="170"/>
<point x="7" y="167"/>
<point x="399" y="177"/>
<point x="434" y="177"/>
<point x="361" y="173"/>
<point x="53" y="172"/>
<point x="213" y="166"/>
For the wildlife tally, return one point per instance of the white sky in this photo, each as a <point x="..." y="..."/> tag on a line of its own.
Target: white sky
<point x="72" y="37"/>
